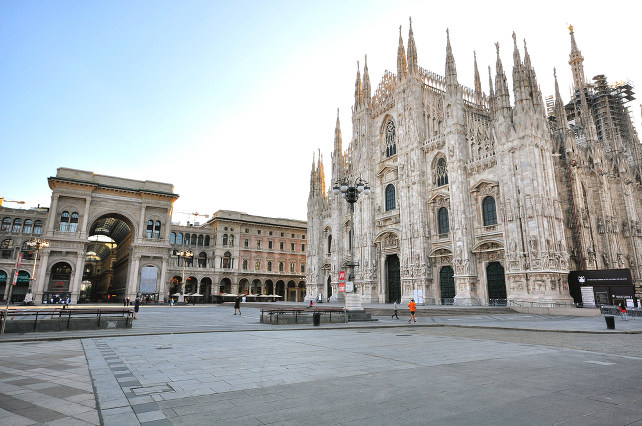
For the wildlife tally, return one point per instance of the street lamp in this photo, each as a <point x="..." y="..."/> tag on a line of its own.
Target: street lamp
<point x="186" y="254"/>
<point x="351" y="193"/>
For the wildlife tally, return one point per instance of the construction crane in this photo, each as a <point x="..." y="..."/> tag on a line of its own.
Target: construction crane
<point x="2" y="200"/>
<point x="194" y="214"/>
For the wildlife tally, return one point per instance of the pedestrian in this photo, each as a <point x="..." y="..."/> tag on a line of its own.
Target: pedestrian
<point x="237" y="304"/>
<point x="311" y="303"/>
<point x="623" y="310"/>
<point x="412" y="305"/>
<point x="171" y="303"/>
<point x="136" y="306"/>
<point x="395" y="315"/>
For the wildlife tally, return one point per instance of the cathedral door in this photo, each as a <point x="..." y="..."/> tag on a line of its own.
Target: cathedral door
<point x="394" y="278"/>
<point x="329" y="293"/>
<point x="496" y="283"/>
<point x="447" y="285"/>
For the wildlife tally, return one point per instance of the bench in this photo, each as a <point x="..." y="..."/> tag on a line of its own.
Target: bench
<point x="289" y="315"/>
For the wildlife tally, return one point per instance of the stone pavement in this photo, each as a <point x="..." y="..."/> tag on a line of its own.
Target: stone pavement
<point x="229" y="369"/>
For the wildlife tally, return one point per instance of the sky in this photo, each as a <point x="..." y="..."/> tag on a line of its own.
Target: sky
<point x="230" y="100"/>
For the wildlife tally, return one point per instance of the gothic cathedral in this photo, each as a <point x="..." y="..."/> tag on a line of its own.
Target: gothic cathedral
<point x="476" y="200"/>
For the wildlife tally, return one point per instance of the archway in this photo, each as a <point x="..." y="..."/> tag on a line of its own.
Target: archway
<point x="496" y="284"/>
<point x="3" y="283"/>
<point x="58" y="288"/>
<point x="301" y="292"/>
<point x="110" y="238"/>
<point x="206" y="289"/>
<point x="280" y="288"/>
<point x="329" y="288"/>
<point x="393" y="277"/>
<point x="447" y="285"/>
<point x="269" y="287"/>
<point x="21" y="288"/>
<point x="225" y="286"/>
<point x="243" y="286"/>
<point x="148" y="288"/>
<point x="175" y="287"/>
<point x="291" y="294"/>
<point x="256" y="287"/>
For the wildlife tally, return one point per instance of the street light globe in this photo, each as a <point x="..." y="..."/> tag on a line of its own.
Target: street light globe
<point x="344" y="188"/>
<point x="360" y="188"/>
<point x="366" y="190"/>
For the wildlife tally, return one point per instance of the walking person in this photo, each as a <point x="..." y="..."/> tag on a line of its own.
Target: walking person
<point x="237" y="304"/>
<point x="136" y="306"/>
<point x="413" y="306"/>
<point x="623" y="311"/>
<point x="395" y="315"/>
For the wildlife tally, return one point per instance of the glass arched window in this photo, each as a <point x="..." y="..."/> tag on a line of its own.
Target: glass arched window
<point x="73" y="223"/>
<point x="441" y="172"/>
<point x="200" y="240"/>
<point x="329" y="244"/>
<point x="245" y="264"/>
<point x="26" y="229"/>
<point x="150" y="228"/>
<point x="179" y="239"/>
<point x="442" y="219"/>
<point x="64" y="221"/>
<point x="194" y="238"/>
<point x="390" y="198"/>
<point x="157" y="229"/>
<point x="269" y="266"/>
<point x="207" y="241"/>
<point x="224" y="239"/>
<point x="202" y="260"/>
<point x="391" y="139"/>
<point x="172" y="238"/>
<point x="281" y="266"/>
<point x="489" y="211"/>
<point x="227" y="260"/>
<point x="186" y="240"/>
<point x="17" y="225"/>
<point x="37" y="227"/>
<point x="6" y="224"/>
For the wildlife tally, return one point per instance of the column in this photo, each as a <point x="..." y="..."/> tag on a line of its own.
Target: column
<point x="141" y="225"/>
<point x="41" y="275"/>
<point x="85" y="219"/>
<point x="52" y="214"/>
<point x="164" y="285"/>
<point x="382" y="278"/>
<point x="132" y="280"/>
<point x="77" y="279"/>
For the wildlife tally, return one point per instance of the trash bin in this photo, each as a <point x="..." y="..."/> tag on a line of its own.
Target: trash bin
<point x="316" y="318"/>
<point x="610" y="322"/>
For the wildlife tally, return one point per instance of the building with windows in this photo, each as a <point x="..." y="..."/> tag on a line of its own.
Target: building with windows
<point x="111" y="238"/>
<point x="475" y="199"/>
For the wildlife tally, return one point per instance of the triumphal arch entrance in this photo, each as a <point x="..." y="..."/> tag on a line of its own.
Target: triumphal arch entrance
<point x="109" y="238"/>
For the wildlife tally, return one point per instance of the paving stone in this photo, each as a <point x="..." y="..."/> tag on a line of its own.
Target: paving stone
<point x="149" y="416"/>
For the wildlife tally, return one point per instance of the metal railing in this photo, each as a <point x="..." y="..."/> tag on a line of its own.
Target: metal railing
<point x="532" y="304"/>
<point x="615" y="310"/>
<point x="44" y="314"/>
<point x="303" y="312"/>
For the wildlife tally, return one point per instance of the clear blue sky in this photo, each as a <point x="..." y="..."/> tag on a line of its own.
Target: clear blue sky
<point x="229" y="100"/>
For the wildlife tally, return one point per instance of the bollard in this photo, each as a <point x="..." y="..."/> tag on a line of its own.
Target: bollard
<point x="610" y="322"/>
<point x="316" y="318"/>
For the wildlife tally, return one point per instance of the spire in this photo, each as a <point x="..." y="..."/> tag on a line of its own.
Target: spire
<point x="337" y="136"/>
<point x="518" y="75"/>
<point x="451" y="70"/>
<point x="576" y="62"/>
<point x="366" y="83"/>
<point x="313" y="177"/>
<point x="413" y="67"/>
<point x="491" y="93"/>
<point x="402" y="66"/>
<point x="560" y="112"/>
<point x="358" y="90"/>
<point x="478" y="89"/>
<point x="531" y="77"/>
<point x="501" y="86"/>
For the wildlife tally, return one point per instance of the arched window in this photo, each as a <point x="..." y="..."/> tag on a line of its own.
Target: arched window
<point x="179" y="239"/>
<point x="489" y="211"/>
<point x="390" y="198"/>
<point x="281" y="266"/>
<point x="207" y="241"/>
<point x="150" y="228"/>
<point x="157" y="229"/>
<point x="186" y="240"/>
<point x="17" y="226"/>
<point x="172" y="238"/>
<point x="194" y="238"/>
<point x="245" y="264"/>
<point x="37" y="227"/>
<point x="26" y="229"/>
<point x="440" y="174"/>
<point x="5" y="249"/>
<point x="64" y="221"/>
<point x="329" y="244"/>
<point x="73" y="224"/>
<point x="224" y="239"/>
<point x="227" y="260"/>
<point x="202" y="260"/>
<point x="269" y="266"/>
<point x="200" y="240"/>
<point x="442" y="219"/>
<point x="6" y="224"/>
<point x="391" y="139"/>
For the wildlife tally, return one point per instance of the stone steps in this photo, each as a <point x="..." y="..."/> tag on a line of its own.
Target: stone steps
<point x="443" y="311"/>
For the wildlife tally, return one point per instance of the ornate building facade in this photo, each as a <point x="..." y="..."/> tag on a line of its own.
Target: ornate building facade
<point x="111" y="238"/>
<point x="476" y="199"/>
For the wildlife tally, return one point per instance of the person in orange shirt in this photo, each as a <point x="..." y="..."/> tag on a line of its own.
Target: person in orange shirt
<point x="412" y="305"/>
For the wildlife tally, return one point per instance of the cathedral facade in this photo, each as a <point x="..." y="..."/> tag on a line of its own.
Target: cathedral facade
<point x="477" y="200"/>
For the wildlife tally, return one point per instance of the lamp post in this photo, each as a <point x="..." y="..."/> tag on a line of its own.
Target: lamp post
<point x="186" y="254"/>
<point x="351" y="193"/>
